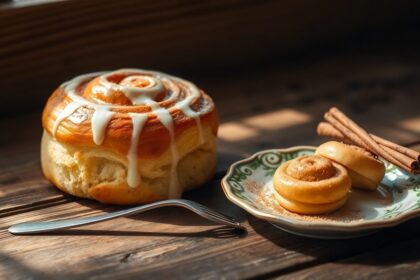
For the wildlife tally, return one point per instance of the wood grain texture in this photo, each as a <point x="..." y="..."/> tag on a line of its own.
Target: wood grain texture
<point x="398" y="261"/>
<point x="160" y="243"/>
<point x="263" y="108"/>
<point x="43" y="45"/>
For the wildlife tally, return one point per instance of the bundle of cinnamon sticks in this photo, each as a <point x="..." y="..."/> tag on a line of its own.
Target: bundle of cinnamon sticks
<point x="342" y="128"/>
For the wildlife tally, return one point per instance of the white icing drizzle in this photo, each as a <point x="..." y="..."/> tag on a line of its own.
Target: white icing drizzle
<point x="136" y="95"/>
<point x="70" y="109"/>
<point x="100" y="119"/>
<point x="166" y="119"/>
<point x="185" y="108"/>
<point x="133" y="174"/>
<point x="100" y="89"/>
<point x="154" y="83"/>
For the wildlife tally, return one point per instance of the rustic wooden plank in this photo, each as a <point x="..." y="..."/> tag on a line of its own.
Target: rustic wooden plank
<point x="160" y="242"/>
<point x="22" y="183"/>
<point x="272" y="121"/>
<point x="398" y="261"/>
<point x="22" y="186"/>
<point x="67" y="38"/>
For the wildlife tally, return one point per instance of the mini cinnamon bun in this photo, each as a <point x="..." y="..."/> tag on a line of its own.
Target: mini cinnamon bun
<point x="311" y="185"/>
<point x="365" y="170"/>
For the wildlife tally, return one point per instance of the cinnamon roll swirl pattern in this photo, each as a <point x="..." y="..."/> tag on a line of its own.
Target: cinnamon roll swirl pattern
<point x="151" y="125"/>
<point x="311" y="185"/>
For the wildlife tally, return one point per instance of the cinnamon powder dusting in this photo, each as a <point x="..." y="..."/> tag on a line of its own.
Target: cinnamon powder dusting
<point x="265" y="199"/>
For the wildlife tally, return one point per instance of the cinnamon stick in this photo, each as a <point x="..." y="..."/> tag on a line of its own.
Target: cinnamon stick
<point x="365" y="138"/>
<point x="413" y="164"/>
<point x="344" y="131"/>
<point x="401" y="149"/>
<point x="326" y="129"/>
<point x="359" y="142"/>
<point x="353" y="137"/>
<point x="338" y="131"/>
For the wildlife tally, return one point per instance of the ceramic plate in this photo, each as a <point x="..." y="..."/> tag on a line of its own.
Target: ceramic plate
<point x="248" y="184"/>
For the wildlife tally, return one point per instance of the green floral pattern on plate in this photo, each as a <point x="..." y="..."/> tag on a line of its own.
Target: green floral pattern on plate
<point x="401" y="183"/>
<point x="398" y="194"/>
<point x="265" y="162"/>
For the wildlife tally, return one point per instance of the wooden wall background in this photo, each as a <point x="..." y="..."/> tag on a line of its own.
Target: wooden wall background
<point x="43" y="43"/>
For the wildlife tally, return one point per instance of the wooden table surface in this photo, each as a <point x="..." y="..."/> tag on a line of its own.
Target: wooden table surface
<point x="263" y="106"/>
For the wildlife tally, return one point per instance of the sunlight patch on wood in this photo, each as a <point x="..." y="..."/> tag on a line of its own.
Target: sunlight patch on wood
<point x="411" y="124"/>
<point x="253" y="126"/>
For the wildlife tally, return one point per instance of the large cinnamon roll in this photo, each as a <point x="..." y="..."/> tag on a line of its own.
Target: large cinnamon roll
<point x="311" y="185"/>
<point x="129" y="136"/>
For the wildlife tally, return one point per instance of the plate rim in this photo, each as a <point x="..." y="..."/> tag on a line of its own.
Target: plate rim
<point x="315" y="225"/>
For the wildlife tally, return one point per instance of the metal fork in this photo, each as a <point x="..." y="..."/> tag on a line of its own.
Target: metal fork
<point x="203" y="211"/>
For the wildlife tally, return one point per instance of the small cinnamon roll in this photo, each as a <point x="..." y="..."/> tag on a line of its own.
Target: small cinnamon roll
<point x="311" y="185"/>
<point x="365" y="171"/>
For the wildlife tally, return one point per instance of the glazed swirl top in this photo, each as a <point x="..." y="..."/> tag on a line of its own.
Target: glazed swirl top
<point x="113" y="109"/>
<point x="312" y="179"/>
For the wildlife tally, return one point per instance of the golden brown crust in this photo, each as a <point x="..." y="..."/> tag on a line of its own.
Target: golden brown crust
<point x="365" y="170"/>
<point x="155" y="137"/>
<point x="174" y="150"/>
<point x="311" y="185"/>
<point x="73" y="170"/>
<point x="122" y="195"/>
<point x="308" y="208"/>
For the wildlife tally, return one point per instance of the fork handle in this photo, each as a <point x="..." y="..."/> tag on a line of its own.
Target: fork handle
<point x="39" y="227"/>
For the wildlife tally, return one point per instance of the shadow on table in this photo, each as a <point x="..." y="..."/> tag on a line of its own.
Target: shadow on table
<point x="218" y="233"/>
<point x="210" y="195"/>
<point x="11" y="268"/>
<point x="382" y="248"/>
